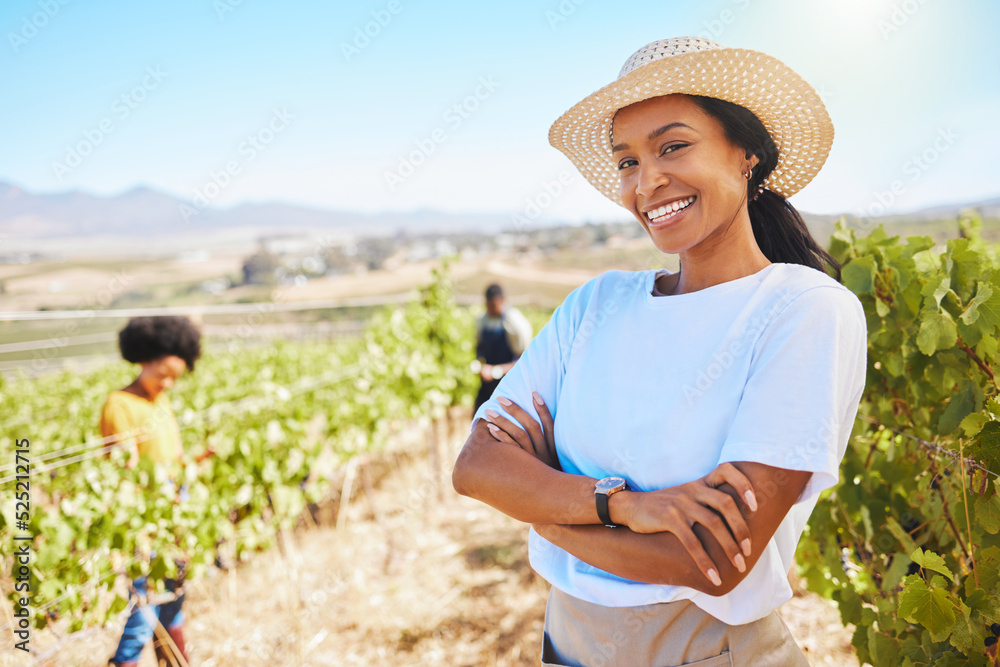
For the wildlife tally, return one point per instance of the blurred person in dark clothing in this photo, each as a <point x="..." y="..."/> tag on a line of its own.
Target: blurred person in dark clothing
<point x="502" y="334"/>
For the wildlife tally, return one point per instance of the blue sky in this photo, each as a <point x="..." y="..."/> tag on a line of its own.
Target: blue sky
<point x="253" y="100"/>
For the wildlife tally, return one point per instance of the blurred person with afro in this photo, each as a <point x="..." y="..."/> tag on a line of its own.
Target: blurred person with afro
<point x="139" y="418"/>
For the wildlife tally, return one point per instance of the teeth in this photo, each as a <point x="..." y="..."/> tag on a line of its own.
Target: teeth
<point x="671" y="208"/>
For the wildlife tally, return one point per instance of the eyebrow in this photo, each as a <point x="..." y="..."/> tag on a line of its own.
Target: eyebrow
<point x="654" y="134"/>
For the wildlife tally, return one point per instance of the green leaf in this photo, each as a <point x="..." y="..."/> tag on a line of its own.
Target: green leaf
<point x="841" y="241"/>
<point x="988" y="512"/>
<point x="937" y="332"/>
<point x="962" y="635"/>
<point x="936" y="287"/>
<point x="973" y="424"/>
<point x="986" y="447"/>
<point x="988" y="565"/>
<point x="959" y="407"/>
<point x="893" y="363"/>
<point x="978" y="599"/>
<point x="930" y="608"/>
<point x="117" y="605"/>
<point x="895" y="572"/>
<point x="900" y="534"/>
<point x="913" y="651"/>
<point x="966" y="266"/>
<point x="984" y="309"/>
<point x="49" y="590"/>
<point x="859" y="275"/>
<point x="884" y="650"/>
<point x="849" y="603"/>
<point x="952" y="659"/>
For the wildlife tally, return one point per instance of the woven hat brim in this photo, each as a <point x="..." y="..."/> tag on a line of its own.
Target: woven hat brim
<point x="789" y="108"/>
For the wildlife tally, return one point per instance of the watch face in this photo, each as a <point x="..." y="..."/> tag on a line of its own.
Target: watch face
<point x="497" y="372"/>
<point x="609" y="484"/>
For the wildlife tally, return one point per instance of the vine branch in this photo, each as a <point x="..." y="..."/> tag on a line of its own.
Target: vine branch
<point x="979" y="362"/>
<point x="970" y="463"/>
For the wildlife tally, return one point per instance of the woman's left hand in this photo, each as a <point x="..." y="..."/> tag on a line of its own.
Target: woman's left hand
<point x="536" y="439"/>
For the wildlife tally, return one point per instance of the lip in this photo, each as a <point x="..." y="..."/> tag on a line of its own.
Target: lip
<point x="657" y="205"/>
<point x="677" y="217"/>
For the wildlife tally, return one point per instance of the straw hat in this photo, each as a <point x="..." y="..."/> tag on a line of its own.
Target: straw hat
<point x="790" y="109"/>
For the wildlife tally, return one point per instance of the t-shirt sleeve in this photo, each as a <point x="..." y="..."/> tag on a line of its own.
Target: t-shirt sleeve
<point x="542" y="365"/>
<point x="116" y="420"/>
<point x="804" y="386"/>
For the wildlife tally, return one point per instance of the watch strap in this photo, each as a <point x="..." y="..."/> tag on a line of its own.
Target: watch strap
<point x="602" y="510"/>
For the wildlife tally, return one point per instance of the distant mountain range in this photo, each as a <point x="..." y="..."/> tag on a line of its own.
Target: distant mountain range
<point x="146" y="214"/>
<point x="143" y="213"/>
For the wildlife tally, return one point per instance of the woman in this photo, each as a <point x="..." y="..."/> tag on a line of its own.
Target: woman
<point x="139" y="417"/>
<point x="699" y="413"/>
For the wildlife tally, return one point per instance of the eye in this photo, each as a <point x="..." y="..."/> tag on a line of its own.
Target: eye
<point x="626" y="163"/>
<point x="666" y="149"/>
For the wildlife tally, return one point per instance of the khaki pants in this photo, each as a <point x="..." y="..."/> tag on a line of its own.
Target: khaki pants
<point x="583" y="634"/>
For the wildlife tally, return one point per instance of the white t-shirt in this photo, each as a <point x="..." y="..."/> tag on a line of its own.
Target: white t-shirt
<point x="767" y="368"/>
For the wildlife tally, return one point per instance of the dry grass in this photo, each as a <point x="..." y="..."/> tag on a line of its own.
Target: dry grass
<point x="407" y="580"/>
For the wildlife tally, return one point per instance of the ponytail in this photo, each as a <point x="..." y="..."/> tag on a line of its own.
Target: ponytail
<point x="782" y="235"/>
<point x="777" y="227"/>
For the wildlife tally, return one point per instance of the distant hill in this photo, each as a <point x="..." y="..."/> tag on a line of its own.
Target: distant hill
<point x="76" y="220"/>
<point x="146" y="213"/>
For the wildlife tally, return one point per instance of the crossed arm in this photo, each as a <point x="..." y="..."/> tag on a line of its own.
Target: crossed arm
<point x="681" y="536"/>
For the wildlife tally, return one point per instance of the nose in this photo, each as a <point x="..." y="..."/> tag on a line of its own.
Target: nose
<point x="650" y="178"/>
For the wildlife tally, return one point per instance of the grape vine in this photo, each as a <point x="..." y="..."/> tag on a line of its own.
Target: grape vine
<point x="907" y="543"/>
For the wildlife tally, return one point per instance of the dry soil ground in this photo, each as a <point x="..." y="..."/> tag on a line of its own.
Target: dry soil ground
<point x="406" y="579"/>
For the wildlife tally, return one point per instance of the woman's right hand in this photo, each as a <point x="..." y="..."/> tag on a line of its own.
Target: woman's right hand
<point x="676" y="509"/>
<point x="538" y="439"/>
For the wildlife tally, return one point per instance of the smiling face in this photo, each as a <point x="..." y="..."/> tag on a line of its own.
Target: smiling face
<point x="680" y="175"/>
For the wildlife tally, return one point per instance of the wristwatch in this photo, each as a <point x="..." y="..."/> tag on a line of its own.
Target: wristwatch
<point x="603" y="490"/>
<point x="497" y="372"/>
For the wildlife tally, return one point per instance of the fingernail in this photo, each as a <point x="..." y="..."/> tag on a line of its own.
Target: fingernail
<point x="492" y="414"/>
<point x="503" y="401"/>
<point x="740" y="564"/>
<point x="714" y="576"/>
<point x="751" y="500"/>
<point x="538" y="399"/>
<point x="492" y="427"/>
<point x="746" y="546"/>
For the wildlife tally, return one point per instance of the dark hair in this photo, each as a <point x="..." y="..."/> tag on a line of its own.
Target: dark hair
<point x="777" y="227"/>
<point x="494" y="291"/>
<point x="152" y="338"/>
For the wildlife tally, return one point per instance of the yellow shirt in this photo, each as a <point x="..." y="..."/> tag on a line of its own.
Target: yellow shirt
<point x="150" y="424"/>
